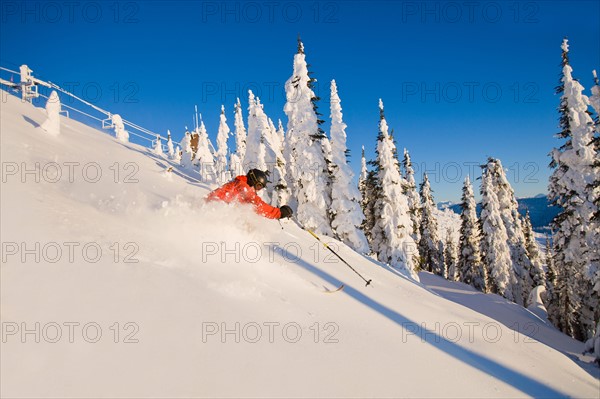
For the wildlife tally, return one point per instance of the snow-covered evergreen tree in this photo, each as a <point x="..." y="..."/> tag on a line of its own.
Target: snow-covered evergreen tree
<point x="509" y="211"/>
<point x="536" y="272"/>
<point x="223" y="174"/>
<point x="158" y="146"/>
<point x="430" y="256"/>
<point x="470" y="268"/>
<point x="120" y="133"/>
<point x="367" y="183"/>
<point x="187" y="154"/>
<point x="236" y="159"/>
<point x="278" y="190"/>
<point x="177" y="156"/>
<point x="170" y="149"/>
<point x="592" y="296"/>
<point x="414" y="199"/>
<point x="204" y="157"/>
<point x="347" y="215"/>
<point x="549" y="298"/>
<point x="257" y="126"/>
<point x="494" y="238"/>
<point x="52" y="124"/>
<point x="450" y="261"/>
<point x="308" y="174"/>
<point x="281" y="134"/>
<point x="569" y="189"/>
<point x="391" y="233"/>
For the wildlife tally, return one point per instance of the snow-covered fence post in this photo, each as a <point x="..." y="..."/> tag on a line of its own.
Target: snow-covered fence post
<point x="120" y="132"/>
<point x="52" y="124"/>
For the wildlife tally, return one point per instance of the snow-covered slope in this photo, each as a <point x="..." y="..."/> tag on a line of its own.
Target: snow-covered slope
<point x="135" y="288"/>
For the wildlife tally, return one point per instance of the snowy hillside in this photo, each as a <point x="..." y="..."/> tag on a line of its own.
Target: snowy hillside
<point x="118" y="281"/>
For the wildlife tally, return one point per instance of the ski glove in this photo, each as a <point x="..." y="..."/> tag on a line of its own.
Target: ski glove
<point x="286" y="212"/>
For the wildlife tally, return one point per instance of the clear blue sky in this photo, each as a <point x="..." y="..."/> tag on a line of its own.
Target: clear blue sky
<point x="461" y="81"/>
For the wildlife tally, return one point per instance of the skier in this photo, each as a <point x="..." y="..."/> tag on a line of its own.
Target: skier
<point x="243" y="189"/>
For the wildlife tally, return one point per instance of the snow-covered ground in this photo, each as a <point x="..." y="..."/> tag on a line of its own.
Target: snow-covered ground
<point x="118" y="281"/>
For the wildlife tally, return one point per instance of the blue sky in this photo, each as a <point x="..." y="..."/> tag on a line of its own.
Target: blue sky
<point x="461" y="81"/>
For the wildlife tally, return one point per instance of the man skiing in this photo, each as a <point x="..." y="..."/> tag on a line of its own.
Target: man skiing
<point x="243" y="189"/>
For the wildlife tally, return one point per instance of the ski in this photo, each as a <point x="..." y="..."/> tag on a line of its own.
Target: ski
<point x="328" y="291"/>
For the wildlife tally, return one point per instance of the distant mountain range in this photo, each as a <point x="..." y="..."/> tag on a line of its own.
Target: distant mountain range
<point x="540" y="211"/>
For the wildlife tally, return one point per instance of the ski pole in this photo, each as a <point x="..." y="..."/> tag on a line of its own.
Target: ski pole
<point x="335" y="253"/>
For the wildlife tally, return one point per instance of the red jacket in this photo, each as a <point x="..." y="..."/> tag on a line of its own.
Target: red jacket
<point x="238" y="190"/>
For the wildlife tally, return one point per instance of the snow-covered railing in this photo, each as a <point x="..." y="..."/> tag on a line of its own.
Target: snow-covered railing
<point x="28" y="87"/>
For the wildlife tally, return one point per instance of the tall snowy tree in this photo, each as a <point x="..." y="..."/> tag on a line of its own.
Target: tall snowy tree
<point x="255" y="143"/>
<point x="281" y="133"/>
<point x="367" y="183"/>
<point x="536" y="272"/>
<point x="428" y="228"/>
<point x="204" y="157"/>
<point x="223" y="174"/>
<point x="308" y="174"/>
<point x="450" y="261"/>
<point x="494" y="239"/>
<point x="157" y="149"/>
<point x="414" y="199"/>
<point x="347" y="215"/>
<point x="470" y="268"/>
<point x="569" y="189"/>
<point x="170" y="149"/>
<point x="278" y="189"/>
<point x="237" y="157"/>
<point x="592" y="298"/>
<point x="187" y="154"/>
<point x="549" y="298"/>
<point x="509" y="211"/>
<point x="391" y="233"/>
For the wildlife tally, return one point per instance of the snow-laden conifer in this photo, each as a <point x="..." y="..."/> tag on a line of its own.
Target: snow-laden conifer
<point x="257" y="126"/>
<point x="278" y="190"/>
<point x="235" y="162"/>
<point x="429" y="243"/>
<point x="347" y="215"/>
<point x="187" y="154"/>
<point x="569" y="188"/>
<point x="414" y="199"/>
<point x="204" y="158"/>
<point x="367" y="183"/>
<point x="391" y="233"/>
<point x="177" y="156"/>
<point x="450" y="261"/>
<point x="223" y="174"/>
<point x="494" y="239"/>
<point x="470" y="268"/>
<point x="158" y="150"/>
<point x="536" y="272"/>
<point x="509" y="211"/>
<point x="307" y="169"/>
<point x="170" y="149"/>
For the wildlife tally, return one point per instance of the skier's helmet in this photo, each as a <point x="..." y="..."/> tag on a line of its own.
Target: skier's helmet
<point x="257" y="178"/>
